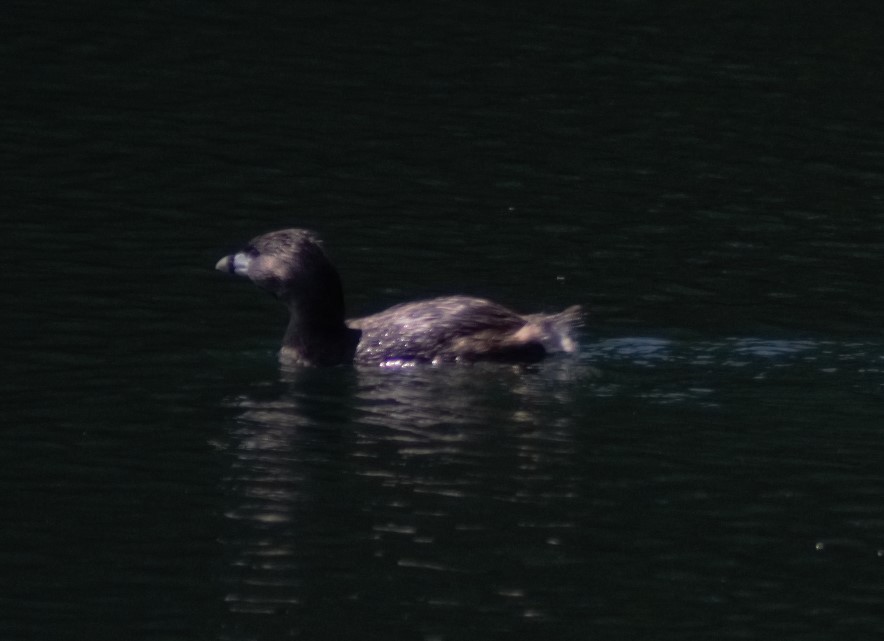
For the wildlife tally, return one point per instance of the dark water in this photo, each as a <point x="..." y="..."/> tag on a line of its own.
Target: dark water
<point x="706" y="178"/>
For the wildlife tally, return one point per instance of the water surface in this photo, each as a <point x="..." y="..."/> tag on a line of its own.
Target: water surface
<point x="705" y="179"/>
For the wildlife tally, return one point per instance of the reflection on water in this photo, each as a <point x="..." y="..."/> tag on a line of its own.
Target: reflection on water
<point x="445" y="492"/>
<point x="406" y="470"/>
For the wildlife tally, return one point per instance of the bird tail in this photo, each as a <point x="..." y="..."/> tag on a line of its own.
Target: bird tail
<point x="558" y="332"/>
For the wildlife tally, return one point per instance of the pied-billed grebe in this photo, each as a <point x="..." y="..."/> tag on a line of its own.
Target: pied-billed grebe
<point x="292" y="266"/>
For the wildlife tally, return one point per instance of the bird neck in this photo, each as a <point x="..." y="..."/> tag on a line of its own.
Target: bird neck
<point x="313" y="339"/>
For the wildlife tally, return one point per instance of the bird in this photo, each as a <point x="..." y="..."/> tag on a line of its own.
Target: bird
<point x="292" y="265"/>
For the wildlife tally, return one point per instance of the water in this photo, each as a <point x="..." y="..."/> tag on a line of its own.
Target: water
<point x="706" y="180"/>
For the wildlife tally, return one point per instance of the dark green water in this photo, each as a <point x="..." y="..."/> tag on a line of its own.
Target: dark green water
<point x="706" y="179"/>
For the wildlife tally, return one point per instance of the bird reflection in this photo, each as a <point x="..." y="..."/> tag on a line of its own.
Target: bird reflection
<point x="341" y="480"/>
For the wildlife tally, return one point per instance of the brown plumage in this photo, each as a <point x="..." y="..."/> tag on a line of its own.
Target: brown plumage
<point x="292" y="266"/>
